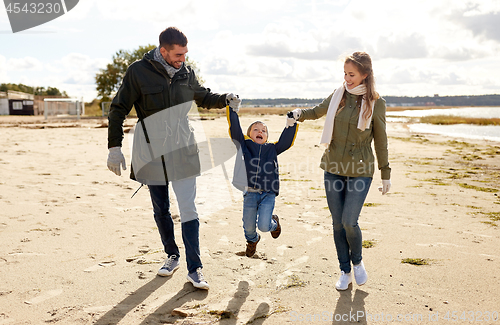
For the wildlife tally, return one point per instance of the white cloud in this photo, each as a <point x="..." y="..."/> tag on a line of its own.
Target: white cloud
<point x="461" y="53"/>
<point x="486" y="25"/>
<point x="275" y="48"/>
<point x="402" y="47"/>
<point x="82" y="62"/>
<point x="4" y="77"/>
<point x="26" y="63"/>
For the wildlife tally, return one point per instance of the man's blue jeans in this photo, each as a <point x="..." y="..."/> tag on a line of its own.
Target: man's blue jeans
<point x="346" y="196"/>
<point x="258" y="212"/>
<point x="185" y="191"/>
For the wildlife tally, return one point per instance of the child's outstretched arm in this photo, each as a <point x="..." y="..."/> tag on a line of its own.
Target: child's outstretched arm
<point x="235" y="131"/>
<point x="288" y="135"/>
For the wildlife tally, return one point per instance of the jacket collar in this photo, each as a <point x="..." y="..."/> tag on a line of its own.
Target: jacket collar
<point x="150" y="57"/>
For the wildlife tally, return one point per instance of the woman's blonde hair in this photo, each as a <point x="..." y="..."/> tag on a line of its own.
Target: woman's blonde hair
<point x="363" y="63"/>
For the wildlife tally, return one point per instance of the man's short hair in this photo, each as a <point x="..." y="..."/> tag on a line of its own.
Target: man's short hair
<point x="171" y="36"/>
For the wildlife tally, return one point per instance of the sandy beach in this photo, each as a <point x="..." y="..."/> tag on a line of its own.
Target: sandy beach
<point x="75" y="248"/>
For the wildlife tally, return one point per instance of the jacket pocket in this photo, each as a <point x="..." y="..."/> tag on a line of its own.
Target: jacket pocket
<point x="153" y="97"/>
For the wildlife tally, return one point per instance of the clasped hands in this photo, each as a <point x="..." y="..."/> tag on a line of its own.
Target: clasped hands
<point x="293" y="116"/>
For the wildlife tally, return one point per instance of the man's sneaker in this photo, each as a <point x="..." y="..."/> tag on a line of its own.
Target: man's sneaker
<point x="344" y="281"/>
<point x="276" y="233"/>
<point x="360" y="274"/>
<point x="251" y="247"/>
<point x="197" y="279"/>
<point x="171" y="264"/>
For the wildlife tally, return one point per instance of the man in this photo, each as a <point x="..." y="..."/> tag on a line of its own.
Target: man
<point x="160" y="87"/>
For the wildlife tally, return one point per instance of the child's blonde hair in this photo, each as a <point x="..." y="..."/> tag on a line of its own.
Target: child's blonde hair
<point x="257" y="122"/>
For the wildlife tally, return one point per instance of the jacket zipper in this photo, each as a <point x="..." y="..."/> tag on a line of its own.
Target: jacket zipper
<point x="258" y="166"/>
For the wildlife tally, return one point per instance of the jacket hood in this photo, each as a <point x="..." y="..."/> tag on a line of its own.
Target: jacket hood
<point x="149" y="55"/>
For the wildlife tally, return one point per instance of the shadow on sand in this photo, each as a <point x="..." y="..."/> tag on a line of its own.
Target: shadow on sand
<point x="350" y="309"/>
<point x="118" y="312"/>
<point x="230" y="314"/>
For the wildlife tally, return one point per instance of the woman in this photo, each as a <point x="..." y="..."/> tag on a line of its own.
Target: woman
<point x="355" y="115"/>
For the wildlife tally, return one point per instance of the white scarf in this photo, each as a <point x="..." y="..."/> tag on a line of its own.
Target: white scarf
<point x="363" y="123"/>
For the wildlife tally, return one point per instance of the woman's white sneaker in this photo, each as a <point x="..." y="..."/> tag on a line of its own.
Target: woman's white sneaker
<point x="360" y="274"/>
<point x="344" y="281"/>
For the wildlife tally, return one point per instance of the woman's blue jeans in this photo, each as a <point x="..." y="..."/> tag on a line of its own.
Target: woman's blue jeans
<point x="346" y="196"/>
<point x="185" y="191"/>
<point x="258" y="212"/>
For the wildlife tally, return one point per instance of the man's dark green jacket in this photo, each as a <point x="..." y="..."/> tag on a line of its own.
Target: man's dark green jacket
<point x="147" y="87"/>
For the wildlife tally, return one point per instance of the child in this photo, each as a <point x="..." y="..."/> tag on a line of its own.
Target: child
<point x="258" y="176"/>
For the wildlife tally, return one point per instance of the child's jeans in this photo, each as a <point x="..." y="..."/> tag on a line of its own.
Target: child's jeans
<point x="257" y="212"/>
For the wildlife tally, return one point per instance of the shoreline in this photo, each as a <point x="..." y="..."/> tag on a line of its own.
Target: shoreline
<point x="96" y="251"/>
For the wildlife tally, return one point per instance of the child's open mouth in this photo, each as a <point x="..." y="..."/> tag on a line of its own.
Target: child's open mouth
<point x="260" y="137"/>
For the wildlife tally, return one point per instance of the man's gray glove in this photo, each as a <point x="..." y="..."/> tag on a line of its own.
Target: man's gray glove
<point x="115" y="159"/>
<point x="233" y="101"/>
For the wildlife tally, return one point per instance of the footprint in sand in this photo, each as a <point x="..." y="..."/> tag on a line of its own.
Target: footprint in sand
<point x="314" y="240"/>
<point x="318" y="228"/>
<point x="99" y="266"/>
<point x="282" y="278"/>
<point x="254" y="270"/>
<point x="224" y="240"/>
<point x="281" y="249"/>
<point x="44" y="296"/>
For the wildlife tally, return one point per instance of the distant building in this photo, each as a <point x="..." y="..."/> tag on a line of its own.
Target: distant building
<point x="16" y="103"/>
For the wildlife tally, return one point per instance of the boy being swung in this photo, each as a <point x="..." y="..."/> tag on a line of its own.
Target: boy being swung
<point x="256" y="174"/>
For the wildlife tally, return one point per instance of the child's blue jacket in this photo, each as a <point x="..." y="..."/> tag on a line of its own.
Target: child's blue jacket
<point x="260" y="170"/>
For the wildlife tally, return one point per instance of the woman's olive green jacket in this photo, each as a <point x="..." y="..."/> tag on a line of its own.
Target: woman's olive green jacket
<point x="350" y="151"/>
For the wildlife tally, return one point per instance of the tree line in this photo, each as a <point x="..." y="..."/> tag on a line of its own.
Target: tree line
<point x="480" y="100"/>
<point x="37" y="91"/>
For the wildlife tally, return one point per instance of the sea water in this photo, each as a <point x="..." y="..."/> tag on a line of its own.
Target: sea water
<point x="470" y="131"/>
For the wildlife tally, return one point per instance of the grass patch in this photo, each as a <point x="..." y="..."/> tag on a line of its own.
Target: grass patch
<point x="296" y="180"/>
<point x="371" y="204"/>
<point x="456" y="143"/>
<point x="471" y="157"/>
<point x="293" y="281"/>
<point x="492" y="151"/>
<point x="419" y="162"/>
<point x="416" y="261"/>
<point x="222" y="314"/>
<point x="491" y="223"/>
<point x="436" y="181"/>
<point x="414" y="138"/>
<point x="291" y="203"/>
<point x="93" y="108"/>
<point x="494" y="216"/>
<point x="368" y="243"/>
<point x="478" y="188"/>
<point x="450" y="119"/>
<point x="454" y="174"/>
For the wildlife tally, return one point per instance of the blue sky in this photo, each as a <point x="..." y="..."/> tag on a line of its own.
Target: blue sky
<point x="271" y="48"/>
